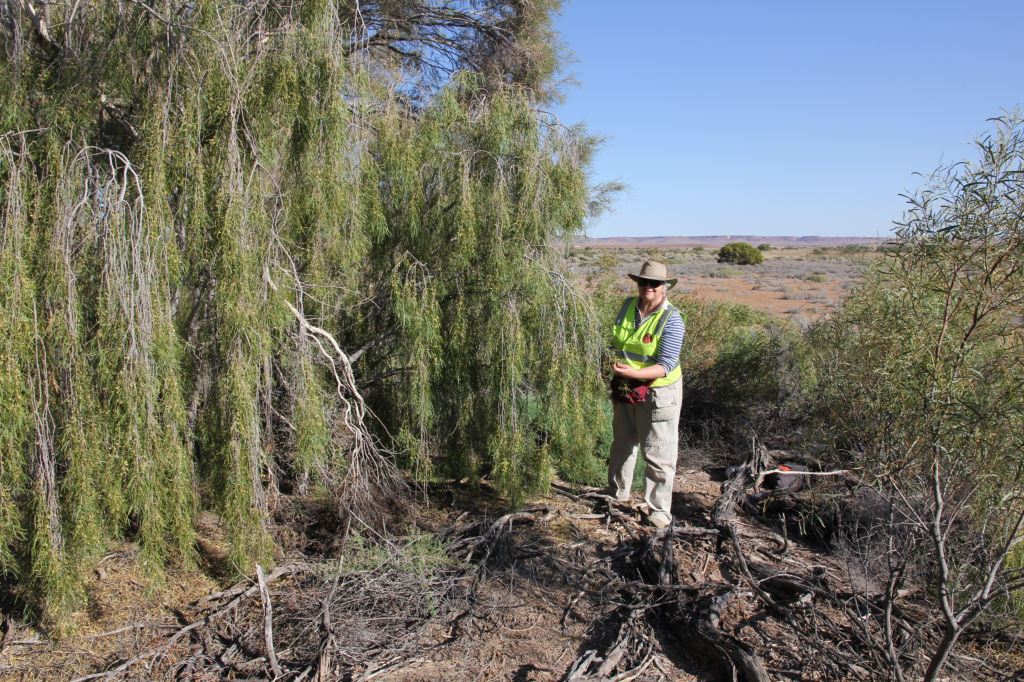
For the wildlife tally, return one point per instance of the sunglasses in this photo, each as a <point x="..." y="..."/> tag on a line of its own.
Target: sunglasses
<point x="653" y="283"/>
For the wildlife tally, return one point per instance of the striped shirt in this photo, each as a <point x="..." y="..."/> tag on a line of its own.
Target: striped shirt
<point x="671" y="342"/>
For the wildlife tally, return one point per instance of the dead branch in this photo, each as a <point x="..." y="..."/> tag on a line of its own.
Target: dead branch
<point x="724" y="512"/>
<point x="793" y="472"/>
<point x="578" y="670"/>
<point x="606" y="509"/>
<point x="204" y="621"/>
<point x="494" y="537"/>
<point x="591" y="667"/>
<point x="268" y="621"/>
<point x="372" y="479"/>
<point x="39" y="22"/>
<point x="736" y="654"/>
<point x="614" y="655"/>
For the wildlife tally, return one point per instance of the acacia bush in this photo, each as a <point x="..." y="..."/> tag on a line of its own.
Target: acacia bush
<point x="740" y="253"/>
<point x="920" y="378"/>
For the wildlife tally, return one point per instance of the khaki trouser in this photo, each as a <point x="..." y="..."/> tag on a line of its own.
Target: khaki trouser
<point x="651" y="427"/>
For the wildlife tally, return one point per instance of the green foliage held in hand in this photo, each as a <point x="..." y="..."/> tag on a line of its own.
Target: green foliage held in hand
<point x="740" y="253"/>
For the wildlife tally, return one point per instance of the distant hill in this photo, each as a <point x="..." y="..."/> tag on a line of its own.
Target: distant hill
<point x="715" y="241"/>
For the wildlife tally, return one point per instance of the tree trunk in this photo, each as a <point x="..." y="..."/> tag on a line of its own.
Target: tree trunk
<point x="942" y="652"/>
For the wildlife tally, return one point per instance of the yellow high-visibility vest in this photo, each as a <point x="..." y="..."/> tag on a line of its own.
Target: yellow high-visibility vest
<point x="638" y="348"/>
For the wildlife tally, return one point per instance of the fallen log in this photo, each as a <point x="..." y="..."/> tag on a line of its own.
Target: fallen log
<point x="739" y="656"/>
<point x="592" y="667"/>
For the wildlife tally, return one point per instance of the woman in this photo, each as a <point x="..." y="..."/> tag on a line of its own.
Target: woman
<point x="647" y="339"/>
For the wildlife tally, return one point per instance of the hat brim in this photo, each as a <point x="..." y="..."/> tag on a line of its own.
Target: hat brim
<point x="669" y="283"/>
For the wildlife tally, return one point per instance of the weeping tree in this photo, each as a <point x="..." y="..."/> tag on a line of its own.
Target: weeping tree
<point x="259" y="249"/>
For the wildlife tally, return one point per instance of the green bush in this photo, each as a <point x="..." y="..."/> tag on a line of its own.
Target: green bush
<point x="740" y="369"/>
<point x="921" y="378"/>
<point x="740" y="253"/>
<point x="764" y="247"/>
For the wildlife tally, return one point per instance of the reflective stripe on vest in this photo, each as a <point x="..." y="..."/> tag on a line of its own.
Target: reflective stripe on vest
<point x="629" y="343"/>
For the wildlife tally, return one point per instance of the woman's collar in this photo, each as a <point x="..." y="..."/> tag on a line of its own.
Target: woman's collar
<point x="661" y="306"/>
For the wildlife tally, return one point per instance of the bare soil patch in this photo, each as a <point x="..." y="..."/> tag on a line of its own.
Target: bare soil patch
<point x="798" y="283"/>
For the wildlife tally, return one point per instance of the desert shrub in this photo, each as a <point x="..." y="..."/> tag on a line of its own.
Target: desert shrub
<point x="764" y="247"/>
<point x="741" y="369"/>
<point x="740" y="253"/>
<point x="608" y="260"/>
<point x="921" y="378"/>
<point x="657" y="254"/>
<point x="675" y="257"/>
<point x="816" y="277"/>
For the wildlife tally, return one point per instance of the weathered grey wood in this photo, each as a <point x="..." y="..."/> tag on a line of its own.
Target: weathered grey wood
<point x="733" y="652"/>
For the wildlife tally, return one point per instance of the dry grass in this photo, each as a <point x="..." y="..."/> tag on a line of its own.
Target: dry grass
<point x="124" y="613"/>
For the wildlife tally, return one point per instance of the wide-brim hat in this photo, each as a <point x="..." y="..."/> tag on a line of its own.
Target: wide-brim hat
<point x="652" y="269"/>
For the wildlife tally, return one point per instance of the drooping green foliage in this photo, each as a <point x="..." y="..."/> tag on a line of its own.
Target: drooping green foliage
<point x="174" y="178"/>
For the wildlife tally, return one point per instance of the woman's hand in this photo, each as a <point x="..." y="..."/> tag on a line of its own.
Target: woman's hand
<point x="646" y="374"/>
<point x="624" y="370"/>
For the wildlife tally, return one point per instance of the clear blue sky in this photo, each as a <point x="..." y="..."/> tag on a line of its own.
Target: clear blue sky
<point x="783" y="118"/>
